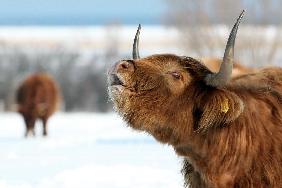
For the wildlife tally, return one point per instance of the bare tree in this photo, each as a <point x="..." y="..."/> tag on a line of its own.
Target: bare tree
<point x="83" y="85"/>
<point x="203" y="31"/>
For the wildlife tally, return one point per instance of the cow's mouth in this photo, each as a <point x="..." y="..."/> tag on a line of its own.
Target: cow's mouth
<point x="116" y="84"/>
<point x="114" y="80"/>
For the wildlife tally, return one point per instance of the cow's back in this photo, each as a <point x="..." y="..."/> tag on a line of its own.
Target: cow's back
<point x="268" y="78"/>
<point x="38" y="95"/>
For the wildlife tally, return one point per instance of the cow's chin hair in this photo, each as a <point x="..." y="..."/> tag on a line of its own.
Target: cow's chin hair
<point x="115" y="93"/>
<point x="119" y="96"/>
<point x="120" y="91"/>
<point x="116" y="90"/>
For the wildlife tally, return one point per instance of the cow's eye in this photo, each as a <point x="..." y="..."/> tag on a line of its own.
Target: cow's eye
<point x="176" y="75"/>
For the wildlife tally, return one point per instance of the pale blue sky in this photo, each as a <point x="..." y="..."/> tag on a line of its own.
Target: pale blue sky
<point x="80" y="12"/>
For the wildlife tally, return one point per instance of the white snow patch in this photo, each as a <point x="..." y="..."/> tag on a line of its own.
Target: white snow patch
<point x="84" y="150"/>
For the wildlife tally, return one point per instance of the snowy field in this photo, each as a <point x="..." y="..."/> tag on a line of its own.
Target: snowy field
<point x="84" y="150"/>
<point x="91" y="39"/>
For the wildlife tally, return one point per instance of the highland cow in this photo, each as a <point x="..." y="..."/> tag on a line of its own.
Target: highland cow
<point x="37" y="98"/>
<point x="229" y="131"/>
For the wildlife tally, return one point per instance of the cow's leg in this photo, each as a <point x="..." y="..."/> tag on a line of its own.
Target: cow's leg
<point x="44" y="121"/>
<point x="30" y="123"/>
<point x="32" y="126"/>
<point x="26" y="121"/>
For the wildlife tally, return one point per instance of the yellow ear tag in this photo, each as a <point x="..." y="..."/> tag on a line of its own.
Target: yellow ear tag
<point x="224" y="106"/>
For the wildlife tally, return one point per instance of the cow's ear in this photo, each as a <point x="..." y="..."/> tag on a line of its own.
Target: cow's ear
<point x="217" y="109"/>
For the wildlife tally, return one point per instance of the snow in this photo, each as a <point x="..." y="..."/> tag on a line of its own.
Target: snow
<point x="92" y="38"/>
<point x="84" y="150"/>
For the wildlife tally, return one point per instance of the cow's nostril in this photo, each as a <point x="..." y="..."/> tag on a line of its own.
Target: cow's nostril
<point x="124" y="65"/>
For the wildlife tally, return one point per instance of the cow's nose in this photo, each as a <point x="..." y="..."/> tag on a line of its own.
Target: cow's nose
<point x="124" y="66"/>
<point x="121" y="66"/>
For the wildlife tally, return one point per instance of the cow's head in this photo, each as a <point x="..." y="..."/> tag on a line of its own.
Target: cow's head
<point x="173" y="96"/>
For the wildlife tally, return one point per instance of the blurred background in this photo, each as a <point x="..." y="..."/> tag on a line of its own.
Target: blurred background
<point x="76" y="42"/>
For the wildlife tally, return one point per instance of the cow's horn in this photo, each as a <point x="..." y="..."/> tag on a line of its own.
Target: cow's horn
<point x="135" y="52"/>
<point x="224" y="74"/>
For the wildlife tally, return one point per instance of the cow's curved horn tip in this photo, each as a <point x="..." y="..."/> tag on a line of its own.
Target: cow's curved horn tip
<point x="242" y="13"/>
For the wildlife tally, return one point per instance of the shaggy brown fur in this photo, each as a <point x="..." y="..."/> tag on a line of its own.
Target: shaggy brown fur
<point x="213" y="64"/>
<point x="229" y="137"/>
<point x="37" y="98"/>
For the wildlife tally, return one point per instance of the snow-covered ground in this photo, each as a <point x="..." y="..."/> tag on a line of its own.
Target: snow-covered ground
<point x="96" y="39"/>
<point x="84" y="150"/>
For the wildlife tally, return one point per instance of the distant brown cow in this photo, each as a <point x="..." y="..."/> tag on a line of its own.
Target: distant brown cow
<point x="229" y="131"/>
<point x="37" y="98"/>
<point x="213" y="64"/>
